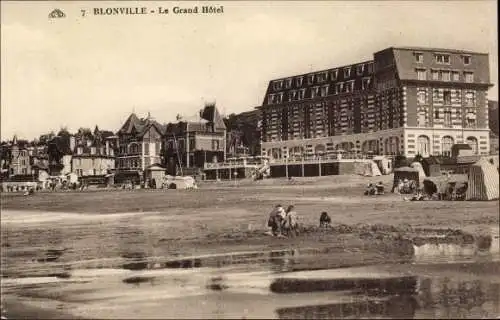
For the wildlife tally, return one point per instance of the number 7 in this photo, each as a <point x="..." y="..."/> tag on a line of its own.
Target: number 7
<point x="83" y="13"/>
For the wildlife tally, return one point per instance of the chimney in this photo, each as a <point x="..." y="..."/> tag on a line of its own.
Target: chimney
<point x="72" y="143"/>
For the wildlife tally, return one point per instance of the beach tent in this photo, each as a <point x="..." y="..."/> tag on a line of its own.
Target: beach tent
<point x="366" y="168"/>
<point x="421" y="172"/>
<point x="441" y="184"/>
<point x="179" y="182"/>
<point x="384" y="164"/>
<point x="483" y="181"/>
<point x="402" y="173"/>
<point x="432" y="166"/>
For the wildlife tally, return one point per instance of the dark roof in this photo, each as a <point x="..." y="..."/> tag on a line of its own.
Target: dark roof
<point x="134" y="125"/>
<point x="431" y="160"/>
<point x="214" y="118"/>
<point x="436" y="50"/>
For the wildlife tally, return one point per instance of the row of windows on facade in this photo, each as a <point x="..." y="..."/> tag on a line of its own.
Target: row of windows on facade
<point x="79" y="172"/>
<point x="447" y="142"/>
<point x="442" y="58"/>
<point x="93" y="151"/>
<point x="446" y="96"/>
<point x="94" y="162"/>
<point x="322" y="77"/>
<point x="423" y="119"/>
<point x="180" y="144"/>
<point x="445" y="75"/>
<point x="318" y="91"/>
<point x="133" y="163"/>
<point x="136" y="148"/>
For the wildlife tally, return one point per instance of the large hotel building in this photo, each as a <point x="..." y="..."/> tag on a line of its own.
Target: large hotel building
<point x="405" y="101"/>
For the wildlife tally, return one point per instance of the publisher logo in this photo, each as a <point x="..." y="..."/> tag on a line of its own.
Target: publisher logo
<point x="56" y="13"/>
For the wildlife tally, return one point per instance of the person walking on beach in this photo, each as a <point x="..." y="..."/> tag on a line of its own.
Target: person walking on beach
<point x="290" y="223"/>
<point x="275" y="220"/>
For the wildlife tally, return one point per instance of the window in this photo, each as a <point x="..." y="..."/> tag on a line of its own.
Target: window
<point x="79" y="150"/>
<point x="370" y="68"/>
<point x="470" y="99"/>
<point x="419" y="57"/>
<point x="421" y="97"/>
<point x="447" y="119"/>
<point x="466" y="60"/>
<point x="350" y="86"/>
<point x="288" y="83"/>
<point x="215" y="145"/>
<point x="436" y="114"/>
<point x="360" y="69"/>
<point x="442" y="58"/>
<point x="324" y="90"/>
<point x="334" y="74"/>
<point x="146" y="148"/>
<point x="456" y="76"/>
<point x="278" y="85"/>
<point x="310" y="79"/>
<point x="445" y="76"/>
<point x="347" y="72"/>
<point x="314" y="92"/>
<point x="339" y="87"/>
<point x="421" y="74"/>
<point x="180" y="144"/>
<point x="280" y="97"/>
<point x="270" y="99"/>
<point x="447" y="97"/>
<point x="471" y="120"/>
<point x="423" y="145"/>
<point x="435" y="75"/>
<point x="446" y="144"/>
<point x="299" y="81"/>
<point x="469" y="77"/>
<point x="366" y="83"/>
<point x="422" y="119"/>
<point x="322" y="77"/>
<point x="302" y="93"/>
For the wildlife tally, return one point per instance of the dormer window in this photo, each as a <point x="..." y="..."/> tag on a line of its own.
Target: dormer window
<point x="288" y="83"/>
<point x="419" y="57"/>
<point x="347" y="72"/>
<point x="370" y="68"/>
<point x="314" y="92"/>
<point x="279" y="85"/>
<point x="466" y="60"/>
<point x="310" y="79"/>
<point x="270" y="99"/>
<point x="280" y="97"/>
<point x="442" y="58"/>
<point x="366" y="83"/>
<point x="302" y="93"/>
<point x="299" y="80"/>
<point x="324" y="90"/>
<point x="339" y="87"/>
<point x="322" y="77"/>
<point x="334" y="74"/>
<point x="350" y="86"/>
<point x="360" y="69"/>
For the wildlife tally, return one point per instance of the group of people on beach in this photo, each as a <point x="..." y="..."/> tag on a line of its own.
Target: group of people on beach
<point x="374" y="189"/>
<point x="283" y="222"/>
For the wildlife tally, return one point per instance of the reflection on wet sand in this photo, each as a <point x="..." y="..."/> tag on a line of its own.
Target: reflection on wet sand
<point x="399" y="307"/>
<point x="435" y="298"/>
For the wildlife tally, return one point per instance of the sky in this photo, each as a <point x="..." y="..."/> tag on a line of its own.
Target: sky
<point x="95" y="70"/>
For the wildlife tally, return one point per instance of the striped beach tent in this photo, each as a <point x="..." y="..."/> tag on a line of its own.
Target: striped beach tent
<point x="483" y="181"/>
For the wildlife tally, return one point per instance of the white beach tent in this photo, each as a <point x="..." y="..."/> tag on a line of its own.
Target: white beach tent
<point x="483" y="181"/>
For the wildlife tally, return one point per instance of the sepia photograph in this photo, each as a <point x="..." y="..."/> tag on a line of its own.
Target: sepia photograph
<point x="249" y="160"/>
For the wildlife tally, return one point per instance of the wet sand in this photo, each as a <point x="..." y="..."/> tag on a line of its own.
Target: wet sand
<point x="159" y="241"/>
